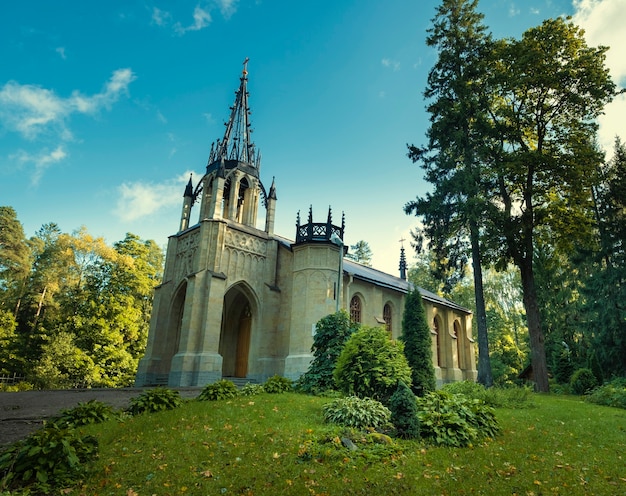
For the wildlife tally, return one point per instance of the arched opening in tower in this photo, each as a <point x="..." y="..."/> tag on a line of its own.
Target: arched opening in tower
<point x="235" y="333"/>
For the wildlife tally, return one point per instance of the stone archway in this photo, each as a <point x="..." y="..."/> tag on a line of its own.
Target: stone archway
<point x="235" y="334"/>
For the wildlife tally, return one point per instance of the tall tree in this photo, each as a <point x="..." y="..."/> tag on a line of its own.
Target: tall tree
<point x="15" y="259"/>
<point x="361" y="252"/>
<point x="453" y="214"/>
<point x="418" y="344"/>
<point x="550" y="86"/>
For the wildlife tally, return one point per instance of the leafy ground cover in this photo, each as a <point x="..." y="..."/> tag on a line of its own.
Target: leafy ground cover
<point x="271" y="444"/>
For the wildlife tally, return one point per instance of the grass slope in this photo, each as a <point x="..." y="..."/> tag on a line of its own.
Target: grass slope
<point x="260" y="445"/>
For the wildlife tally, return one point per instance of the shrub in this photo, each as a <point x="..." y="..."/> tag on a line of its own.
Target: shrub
<point x="453" y="420"/>
<point x="502" y="397"/>
<point x="331" y="334"/>
<point x="371" y="364"/>
<point x="48" y="458"/>
<point x="562" y="366"/>
<point x="91" y="412"/>
<point x="404" y="412"/>
<point x="219" y="390"/>
<point x="251" y="389"/>
<point x="356" y="412"/>
<point x="418" y="344"/>
<point x="277" y="384"/>
<point x="611" y="394"/>
<point x="583" y="381"/>
<point x="155" y="400"/>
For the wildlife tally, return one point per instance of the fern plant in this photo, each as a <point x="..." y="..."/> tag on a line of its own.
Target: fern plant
<point x="277" y="384"/>
<point x="219" y="390"/>
<point x="360" y="413"/>
<point x="90" y="412"/>
<point x="155" y="400"/>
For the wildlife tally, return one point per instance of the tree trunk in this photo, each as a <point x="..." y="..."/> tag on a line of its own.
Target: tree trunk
<point x="484" y="363"/>
<point x="533" y="319"/>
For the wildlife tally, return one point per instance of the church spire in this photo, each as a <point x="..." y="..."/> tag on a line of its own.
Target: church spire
<point x="402" y="260"/>
<point x="237" y="143"/>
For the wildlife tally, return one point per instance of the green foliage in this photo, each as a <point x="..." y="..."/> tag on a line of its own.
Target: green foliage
<point x="48" y="458"/>
<point x="361" y="253"/>
<point x="370" y="365"/>
<point x="418" y="344"/>
<point x="250" y="389"/>
<point x="404" y="412"/>
<point x="454" y="420"/>
<point x="611" y="394"/>
<point x="497" y="397"/>
<point x="277" y="384"/>
<point x="562" y="367"/>
<point x="90" y="412"/>
<point x="331" y="334"/>
<point x="155" y="400"/>
<point x="583" y="381"/>
<point x="219" y="390"/>
<point x="356" y="412"/>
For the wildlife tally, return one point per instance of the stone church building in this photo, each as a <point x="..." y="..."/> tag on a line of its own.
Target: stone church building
<point x="239" y="301"/>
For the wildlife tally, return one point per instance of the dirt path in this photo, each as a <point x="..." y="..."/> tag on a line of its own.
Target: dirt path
<point x="24" y="412"/>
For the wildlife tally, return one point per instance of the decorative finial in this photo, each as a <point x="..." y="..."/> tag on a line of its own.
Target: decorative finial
<point x="245" y="67"/>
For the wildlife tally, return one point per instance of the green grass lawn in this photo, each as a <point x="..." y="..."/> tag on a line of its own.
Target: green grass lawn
<point x="262" y="445"/>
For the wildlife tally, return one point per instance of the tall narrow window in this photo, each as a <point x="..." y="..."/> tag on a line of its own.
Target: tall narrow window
<point x="387" y="318"/>
<point x="355" y="309"/>
<point x="438" y="338"/>
<point x="459" y="347"/>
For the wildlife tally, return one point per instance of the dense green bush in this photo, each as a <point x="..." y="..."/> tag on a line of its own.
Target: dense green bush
<point x="562" y="366"/>
<point x="404" y="412"/>
<point x="155" y="400"/>
<point x="583" y="381"/>
<point x="251" y="389"/>
<point x="356" y="412"/>
<point x="371" y="364"/>
<point x="90" y="412"/>
<point x="501" y="397"/>
<point x="277" y="384"/>
<point x="219" y="390"/>
<point x="454" y="420"/>
<point x="48" y="458"/>
<point x="418" y="344"/>
<point x="611" y="394"/>
<point x="331" y="334"/>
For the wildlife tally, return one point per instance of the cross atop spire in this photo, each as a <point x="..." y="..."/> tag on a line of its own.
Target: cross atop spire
<point x="237" y="143"/>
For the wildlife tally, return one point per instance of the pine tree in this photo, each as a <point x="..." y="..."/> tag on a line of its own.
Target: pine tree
<point x="418" y="344"/>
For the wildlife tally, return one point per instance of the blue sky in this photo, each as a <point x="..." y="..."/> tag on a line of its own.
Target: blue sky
<point x="106" y="107"/>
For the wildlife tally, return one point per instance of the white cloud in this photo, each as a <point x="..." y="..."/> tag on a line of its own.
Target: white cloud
<point x="603" y="22"/>
<point x="41" y="160"/>
<point x="61" y="52"/>
<point x="39" y="113"/>
<point x="227" y="7"/>
<point x="138" y="200"/>
<point x="160" y="17"/>
<point x="513" y="10"/>
<point x="201" y="19"/>
<point x="393" y="64"/>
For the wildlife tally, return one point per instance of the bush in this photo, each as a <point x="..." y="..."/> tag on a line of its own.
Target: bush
<point x="356" y="412"/>
<point x="331" y="334"/>
<point x="155" y="400"/>
<point x="251" y="389"/>
<point x="404" y="412"/>
<point x="418" y="344"/>
<point x="277" y="384"/>
<point x="48" y="458"/>
<point x="583" y="381"/>
<point x="501" y="397"/>
<point x="219" y="390"/>
<point x="91" y="412"/>
<point x="453" y="420"/>
<point x="611" y="394"/>
<point x="562" y="366"/>
<point x="371" y="364"/>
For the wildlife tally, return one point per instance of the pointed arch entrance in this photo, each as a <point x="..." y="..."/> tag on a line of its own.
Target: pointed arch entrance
<point x="237" y="324"/>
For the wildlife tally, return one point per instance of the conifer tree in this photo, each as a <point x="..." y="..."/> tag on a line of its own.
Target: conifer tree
<point x="418" y="344"/>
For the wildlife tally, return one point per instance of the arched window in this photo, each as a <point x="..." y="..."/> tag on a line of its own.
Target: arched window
<point x="459" y="347"/>
<point x="387" y="317"/>
<point x="355" y="309"/>
<point x="438" y="339"/>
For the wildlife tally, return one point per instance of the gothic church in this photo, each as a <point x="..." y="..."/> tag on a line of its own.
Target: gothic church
<point x="237" y="301"/>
